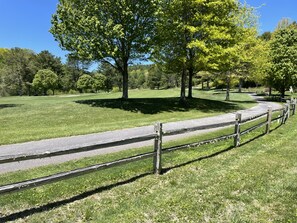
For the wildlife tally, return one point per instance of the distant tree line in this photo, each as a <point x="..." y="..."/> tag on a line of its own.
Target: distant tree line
<point x="189" y="42"/>
<point x="186" y="38"/>
<point x="23" y="72"/>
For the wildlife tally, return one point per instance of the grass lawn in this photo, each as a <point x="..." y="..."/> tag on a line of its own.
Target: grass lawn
<point x="33" y="118"/>
<point x="256" y="182"/>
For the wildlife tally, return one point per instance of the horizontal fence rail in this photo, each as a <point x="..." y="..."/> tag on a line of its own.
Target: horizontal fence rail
<point x="193" y="129"/>
<point x="197" y="144"/>
<point x="253" y="128"/>
<point x="23" y="157"/>
<point x="253" y="117"/>
<point x="156" y="154"/>
<point x="70" y="174"/>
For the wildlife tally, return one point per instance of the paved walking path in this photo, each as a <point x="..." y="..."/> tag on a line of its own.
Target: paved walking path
<point x="93" y="139"/>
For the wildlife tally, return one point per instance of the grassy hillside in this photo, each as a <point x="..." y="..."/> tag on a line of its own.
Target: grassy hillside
<point x="256" y="182"/>
<point x="32" y="118"/>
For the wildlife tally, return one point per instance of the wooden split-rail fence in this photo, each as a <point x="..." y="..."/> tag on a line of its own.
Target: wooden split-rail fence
<point x="271" y="116"/>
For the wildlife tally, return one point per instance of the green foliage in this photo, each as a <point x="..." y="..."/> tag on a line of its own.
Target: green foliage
<point x="189" y="34"/>
<point x="283" y="55"/>
<point x="112" y="31"/>
<point x="17" y="71"/>
<point x="99" y="82"/>
<point x="85" y="83"/>
<point x="46" y="60"/>
<point x="45" y="80"/>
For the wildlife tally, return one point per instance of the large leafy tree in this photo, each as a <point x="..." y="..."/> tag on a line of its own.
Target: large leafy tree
<point x="46" y="60"/>
<point x="283" y="56"/>
<point x="234" y="57"/>
<point x="18" y="71"/>
<point x="72" y="71"/>
<point x="3" y="86"/>
<point x="85" y="83"/>
<point x="111" y="31"/>
<point x="188" y="29"/>
<point x="45" y="80"/>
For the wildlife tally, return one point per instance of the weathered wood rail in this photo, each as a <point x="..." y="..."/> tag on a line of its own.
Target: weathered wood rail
<point x="156" y="154"/>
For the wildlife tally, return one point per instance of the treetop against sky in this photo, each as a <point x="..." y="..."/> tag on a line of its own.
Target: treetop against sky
<point x="26" y="24"/>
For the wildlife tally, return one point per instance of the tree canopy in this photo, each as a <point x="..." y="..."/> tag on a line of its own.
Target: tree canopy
<point x="188" y="33"/>
<point x="44" y="80"/>
<point x="111" y="31"/>
<point x="283" y="54"/>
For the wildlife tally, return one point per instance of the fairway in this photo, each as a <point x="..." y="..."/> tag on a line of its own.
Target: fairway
<point x="33" y="118"/>
<point x="255" y="182"/>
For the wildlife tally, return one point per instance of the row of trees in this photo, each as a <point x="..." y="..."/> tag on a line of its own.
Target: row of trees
<point x="23" y="72"/>
<point x="184" y="37"/>
<point x="211" y="39"/>
<point x="18" y="68"/>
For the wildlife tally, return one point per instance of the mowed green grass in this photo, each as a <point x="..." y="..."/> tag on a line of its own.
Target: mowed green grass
<point x="256" y="182"/>
<point x="33" y="118"/>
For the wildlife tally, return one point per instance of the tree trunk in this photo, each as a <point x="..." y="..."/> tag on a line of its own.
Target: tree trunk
<point x="228" y="88"/>
<point x="202" y="84"/>
<point x="183" y="86"/>
<point x="125" y="81"/>
<point x="190" y="91"/>
<point x="20" y="90"/>
<point x="283" y="91"/>
<point x="240" y="85"/>
<point x="207" y="84"/>
<point x="270" y="91"/>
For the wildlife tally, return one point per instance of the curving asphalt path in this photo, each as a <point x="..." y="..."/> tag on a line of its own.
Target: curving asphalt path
<point x="63" y="143"/>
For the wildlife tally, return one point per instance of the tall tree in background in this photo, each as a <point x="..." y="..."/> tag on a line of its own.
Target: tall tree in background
<point x="3" y="86"/>
<point x="46" y="60"/>
<point x="111" y="31"/>
<point x="44" y="80"/>
<point x="18" y="71"/>
<point x="283" y="56"/>
<point x="187" y="30"/>
<point x="233" y="57"/>
<point x="72" y="71"/>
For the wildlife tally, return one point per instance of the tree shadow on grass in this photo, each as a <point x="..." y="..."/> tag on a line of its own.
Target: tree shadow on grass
<point x="57" y="204"/>
<point x="157" y="105"/>
<point x="2" y="106"/>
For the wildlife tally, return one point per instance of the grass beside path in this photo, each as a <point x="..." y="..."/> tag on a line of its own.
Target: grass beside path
<point x="256" y="182"/>
<point x="33" y="118"/>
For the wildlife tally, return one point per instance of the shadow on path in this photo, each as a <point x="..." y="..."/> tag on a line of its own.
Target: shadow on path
<point x="157" y="105"/>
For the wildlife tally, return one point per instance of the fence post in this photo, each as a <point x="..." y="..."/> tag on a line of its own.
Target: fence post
<point x="294" y="107"/>
<point x="269" y="116"/>
<point x="284" y="114"/>
<point x="237" y="129"/>
<point x="158" y="148"/>
<point x="289" y="108"/>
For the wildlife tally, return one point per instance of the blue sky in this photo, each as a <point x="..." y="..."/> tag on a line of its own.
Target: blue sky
<point x="25" y="23"/>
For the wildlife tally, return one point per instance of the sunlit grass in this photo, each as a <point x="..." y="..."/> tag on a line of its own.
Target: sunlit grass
<point x="33" y="118"/>
<point x="256" y="182"/>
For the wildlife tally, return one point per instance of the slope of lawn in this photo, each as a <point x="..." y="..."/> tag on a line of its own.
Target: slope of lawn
<point x="256" y="182"/>
<point x="33" y="118"/>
